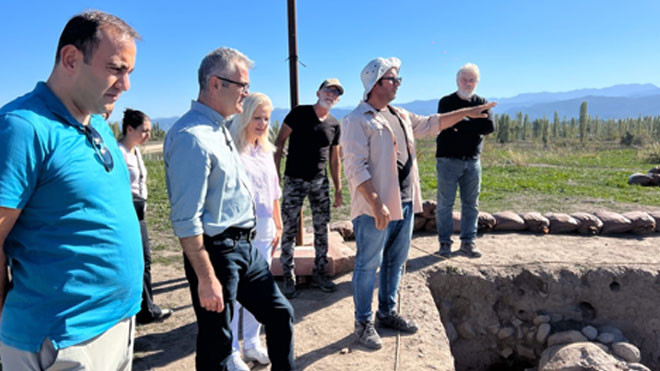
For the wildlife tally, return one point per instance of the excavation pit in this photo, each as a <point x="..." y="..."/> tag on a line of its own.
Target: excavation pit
<point x="501" y="312"/>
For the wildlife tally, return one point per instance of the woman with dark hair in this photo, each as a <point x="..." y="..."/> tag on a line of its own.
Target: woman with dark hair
<point x="136" y="129"/>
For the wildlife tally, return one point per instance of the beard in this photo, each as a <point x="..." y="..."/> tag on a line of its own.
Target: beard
<point x="327" y="104"/>
<point x="465" y="94"/>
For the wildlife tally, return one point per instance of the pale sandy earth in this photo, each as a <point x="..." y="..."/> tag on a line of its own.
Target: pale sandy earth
<point x="324" y="322"/>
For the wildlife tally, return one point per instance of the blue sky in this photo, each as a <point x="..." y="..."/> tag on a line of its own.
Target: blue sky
<point x="520" y="46"/>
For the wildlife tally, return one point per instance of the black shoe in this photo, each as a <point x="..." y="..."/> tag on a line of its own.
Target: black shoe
<point x="445" y="250"/>
<point x="367" y="335"/>
<point x="289" y="288"/>
<point x="396" y="322"/>
<point x="160" y="317"/>
<point x="323" y="282"/>
<point x="470" y="250"/>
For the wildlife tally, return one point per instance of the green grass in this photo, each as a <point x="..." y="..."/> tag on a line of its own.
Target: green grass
<point x="522" y="177"/>
<point x="529" y="177"/>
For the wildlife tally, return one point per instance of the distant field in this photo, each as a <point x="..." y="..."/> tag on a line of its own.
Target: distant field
<point x="521" y="177"/>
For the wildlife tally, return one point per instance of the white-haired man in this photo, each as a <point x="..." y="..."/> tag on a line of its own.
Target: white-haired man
<point x="213" y="215"/>
<point x="458" y="164"/>
<point x="377" y="141"/>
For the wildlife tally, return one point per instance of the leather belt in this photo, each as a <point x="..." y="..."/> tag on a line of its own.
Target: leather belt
<point x="232" y="233"/>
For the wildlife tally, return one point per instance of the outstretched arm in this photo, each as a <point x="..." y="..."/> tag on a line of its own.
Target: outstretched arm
<point x="450" y="119"/>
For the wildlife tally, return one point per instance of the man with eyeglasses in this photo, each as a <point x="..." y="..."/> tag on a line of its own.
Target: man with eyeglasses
<point x="380" y="163"/>
<point x="458" y="164"/>
<point x="313" y="135"/>
<point x="68" y="230"/>
<point x="213" y="215"/>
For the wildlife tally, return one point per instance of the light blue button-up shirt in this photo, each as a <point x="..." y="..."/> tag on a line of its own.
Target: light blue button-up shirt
<point x="206" y="182"/>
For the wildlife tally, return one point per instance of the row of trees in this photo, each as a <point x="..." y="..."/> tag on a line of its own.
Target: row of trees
<point x="627" y="131"/>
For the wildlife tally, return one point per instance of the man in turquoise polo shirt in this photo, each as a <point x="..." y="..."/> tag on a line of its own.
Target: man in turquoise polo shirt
<point x="68" y="231"/>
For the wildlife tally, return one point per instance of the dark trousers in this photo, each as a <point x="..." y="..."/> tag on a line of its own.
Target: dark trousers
<point x="295" y="191"/>
<point x="148" y="310"/>
<point x="244" y="275"/>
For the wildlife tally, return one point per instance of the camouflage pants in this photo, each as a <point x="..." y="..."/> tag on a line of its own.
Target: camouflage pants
<point x="295" y="191"/>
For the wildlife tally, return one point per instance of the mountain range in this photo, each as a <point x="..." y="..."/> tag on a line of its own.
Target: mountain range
<point x="614" y="102"/>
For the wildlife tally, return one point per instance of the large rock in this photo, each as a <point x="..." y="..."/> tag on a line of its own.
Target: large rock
<point x="590" y="225"/>
<point x="640" y="179"/>
<point x="508" y="221"/>
<point x="419" y="222"/>
<point x="344" y="228"/>
<point x="536" y="222"/>
<point x="428" y="209"/>
<point x="642" y="223"/>
<point x="578" y="357"/>
<point x="561" y="223"/>
<point x="656" y="216"/>
<point x="566" y="337"/>
<point x="613" y="223"/>
<point x="626" y="351"/>
<point x="486" y="222"/>
<point x="341" y="258"/>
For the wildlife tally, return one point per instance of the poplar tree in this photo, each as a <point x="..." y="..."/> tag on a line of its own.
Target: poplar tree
<point x="583" y="121"/>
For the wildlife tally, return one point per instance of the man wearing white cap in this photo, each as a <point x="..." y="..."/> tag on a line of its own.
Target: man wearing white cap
<point x="377" y="141"/>
<point x="313" y="135"/>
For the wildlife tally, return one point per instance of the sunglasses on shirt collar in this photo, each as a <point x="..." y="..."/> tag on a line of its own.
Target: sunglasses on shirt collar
<point x="96" y="140"/>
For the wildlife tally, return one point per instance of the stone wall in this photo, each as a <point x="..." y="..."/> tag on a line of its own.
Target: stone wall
<point x="510" y="315"/>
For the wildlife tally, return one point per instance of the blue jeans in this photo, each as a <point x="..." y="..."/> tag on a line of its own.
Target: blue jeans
<point x="453" y="173"/>
<point x="387" y="249"/>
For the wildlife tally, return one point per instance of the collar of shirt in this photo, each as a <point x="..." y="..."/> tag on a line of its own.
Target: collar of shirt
<point x="208" y="112"/>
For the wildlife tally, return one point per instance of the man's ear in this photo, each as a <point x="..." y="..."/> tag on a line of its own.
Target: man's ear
<point x="70" y="58"/>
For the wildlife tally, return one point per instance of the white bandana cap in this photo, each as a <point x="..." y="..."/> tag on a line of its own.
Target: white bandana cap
<point x="374" y="70"/>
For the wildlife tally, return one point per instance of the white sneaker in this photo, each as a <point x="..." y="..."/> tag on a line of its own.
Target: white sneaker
<point x="236" y="363"/>
<point x="257" y="354"/>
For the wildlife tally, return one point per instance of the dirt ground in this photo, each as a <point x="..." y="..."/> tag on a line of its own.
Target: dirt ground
<point x="324" y="322"/>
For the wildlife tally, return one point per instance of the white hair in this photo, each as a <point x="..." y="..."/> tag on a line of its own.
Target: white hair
<point x="468" y="67"/>
<point x="239" y="123"/>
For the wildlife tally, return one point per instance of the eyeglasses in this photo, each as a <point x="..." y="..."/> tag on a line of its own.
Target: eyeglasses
<point x="99" y="146"/>
<point x="393" y="80"/>
<point x="333" y="90"/>
<point x="244" y="85"/>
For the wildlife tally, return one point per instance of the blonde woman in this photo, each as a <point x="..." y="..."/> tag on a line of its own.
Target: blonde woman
<point x="250" y="133"/>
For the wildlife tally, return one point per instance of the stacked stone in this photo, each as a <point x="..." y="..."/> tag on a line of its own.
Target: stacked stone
<point x="598" y="223"/>
<point x="546" y="340"/>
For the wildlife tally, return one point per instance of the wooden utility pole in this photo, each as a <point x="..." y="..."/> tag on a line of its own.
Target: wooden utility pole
<point x="293" y="84"/>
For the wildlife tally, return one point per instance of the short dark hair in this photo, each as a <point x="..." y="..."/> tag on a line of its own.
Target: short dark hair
<point x="84" y="32"/>
<point x="132" y="118"/>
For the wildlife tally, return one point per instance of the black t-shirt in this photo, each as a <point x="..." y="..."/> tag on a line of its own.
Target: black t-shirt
<point x="403" y="158"/>
<point x="309" y="142"/>
<point x="465" y="139"/>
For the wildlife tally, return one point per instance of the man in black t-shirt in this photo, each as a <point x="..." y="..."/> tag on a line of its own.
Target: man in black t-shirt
<point x="458" y="164"/>
<point x="313" y="139"/>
